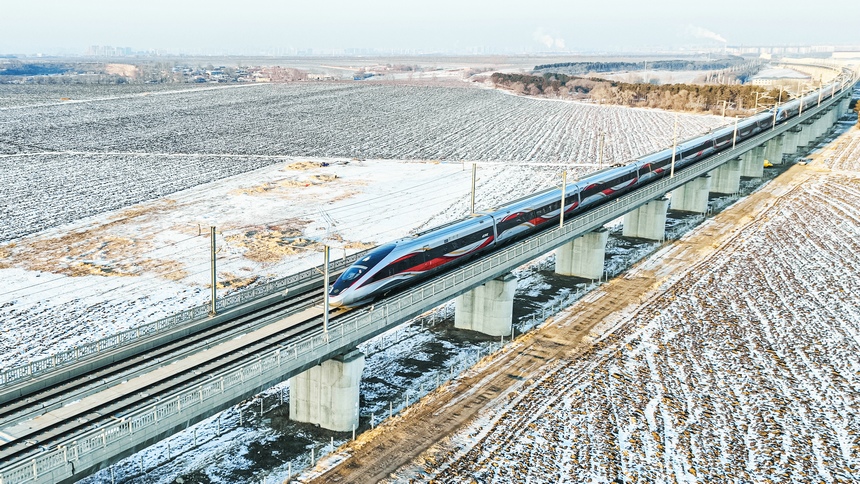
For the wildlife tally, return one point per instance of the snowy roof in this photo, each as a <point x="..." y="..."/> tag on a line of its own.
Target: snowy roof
<point x="780" y="74"/>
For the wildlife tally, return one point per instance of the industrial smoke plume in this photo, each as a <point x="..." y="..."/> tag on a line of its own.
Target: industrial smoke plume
<point x="548" y="40"/>
<point x="703" y="33"/>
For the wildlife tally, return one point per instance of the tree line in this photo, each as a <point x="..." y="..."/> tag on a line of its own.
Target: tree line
<point x="574" y="68"/>
<point x="738" y="99"/>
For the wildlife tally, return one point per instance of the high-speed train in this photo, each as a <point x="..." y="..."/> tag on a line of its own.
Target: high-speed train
<point x="405" y="261"/>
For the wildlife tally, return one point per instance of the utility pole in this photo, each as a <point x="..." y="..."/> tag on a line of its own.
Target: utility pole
<point x="600" y="159"/>
<point x="776" y="108"/>
<point x="724" y="108"/>
<point x="800" y="93"/>
<point x="325" y="291"/>
<point x="214" y="277"/>
<point x="735" y="136"/>
<point x="563" y="193"/>
<point x="674" y="146"/>
<point x="474" y="177"/>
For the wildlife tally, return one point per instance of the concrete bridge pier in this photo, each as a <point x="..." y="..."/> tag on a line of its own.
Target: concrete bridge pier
<point x="773" y="150"/>
<point x="752" y="163"/>
<point x="647" y="221"/>
<point x="791" y="141"/>
<point x="327" y="394"/>
<point x="806" y="134"/>
<point x="692" y="196"/>
<point x="583" y="256"/>
<point x="727" y="178"/>
<point x="815" y="128"/>
<point x="830" y="118"/>
<point x="821" y="126"/>
<point x="488" y="308"/>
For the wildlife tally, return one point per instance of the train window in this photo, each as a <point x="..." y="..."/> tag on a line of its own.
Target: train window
<point x="353" y="273"/>
<point x="663" y="162"/>
<point x="693" y="151"/>
<point x="725" y="138"/>
<point x="377" y="255"/>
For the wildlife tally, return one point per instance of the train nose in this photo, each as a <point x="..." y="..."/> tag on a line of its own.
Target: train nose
<point x="335" y="301"/>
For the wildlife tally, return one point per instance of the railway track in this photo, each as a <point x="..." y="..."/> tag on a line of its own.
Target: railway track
<point x="42" y="420"/>
<point x="31" y="405"/>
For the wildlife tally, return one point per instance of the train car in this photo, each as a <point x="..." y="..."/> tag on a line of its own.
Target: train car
<point x="409" y="259"/>
<point x="723" y="138"/>
<point x="787" y="110"/>
<point x="693" y="150"/>
<point x="523" y="216"/>
<point x="606" y="184"/>
<point x="746" y="129"/>
<point x="654" y="166"/>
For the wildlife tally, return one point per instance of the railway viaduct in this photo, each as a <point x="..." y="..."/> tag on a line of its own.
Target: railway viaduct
<point x="323" y="364"/>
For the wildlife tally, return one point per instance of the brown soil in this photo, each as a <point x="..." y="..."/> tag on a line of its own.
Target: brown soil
<point x="302" y="165"/>
<point x="95" y="250"/>
<point x="279" y="186"/>
<point x="228" y="279"/>
<point x="124" y="70"/>
<point x="5" y="255"/>
<point x="273" y="243"/>
<point x="420" y="432"/>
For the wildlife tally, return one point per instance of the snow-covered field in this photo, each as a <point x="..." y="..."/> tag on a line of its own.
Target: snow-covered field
<point x="660" y="77"/>
<point x="744" y="370"/>
<point x="108" y="250"/>
<point x="75" y="159"/>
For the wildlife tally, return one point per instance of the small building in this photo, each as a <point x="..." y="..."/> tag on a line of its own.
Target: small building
<point x="846" y="54"/>
<point x="778" y="76"/>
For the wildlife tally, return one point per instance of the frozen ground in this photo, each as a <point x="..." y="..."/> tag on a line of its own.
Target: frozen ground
<point x="63" y="161"/>
<point x="14" y="96"/>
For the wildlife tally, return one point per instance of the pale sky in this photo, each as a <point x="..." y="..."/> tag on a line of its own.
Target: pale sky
<point x="70" y="26"/>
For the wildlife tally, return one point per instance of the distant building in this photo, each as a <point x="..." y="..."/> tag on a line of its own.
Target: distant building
<point x="846" y="54"/>
<point x="778" y="49"/>
<point x="778" y="76"/>
<point x="108" y="51"/>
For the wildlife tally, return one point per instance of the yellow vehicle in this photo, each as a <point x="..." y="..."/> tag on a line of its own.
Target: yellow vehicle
<point x="767" y="164"/>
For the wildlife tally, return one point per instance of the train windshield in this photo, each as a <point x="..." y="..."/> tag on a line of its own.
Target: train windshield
<point x="353" y="273"/>
<point x="360" y="267"/>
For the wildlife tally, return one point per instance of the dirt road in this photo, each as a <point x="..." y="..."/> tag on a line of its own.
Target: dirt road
<point x="574" y="333"/>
